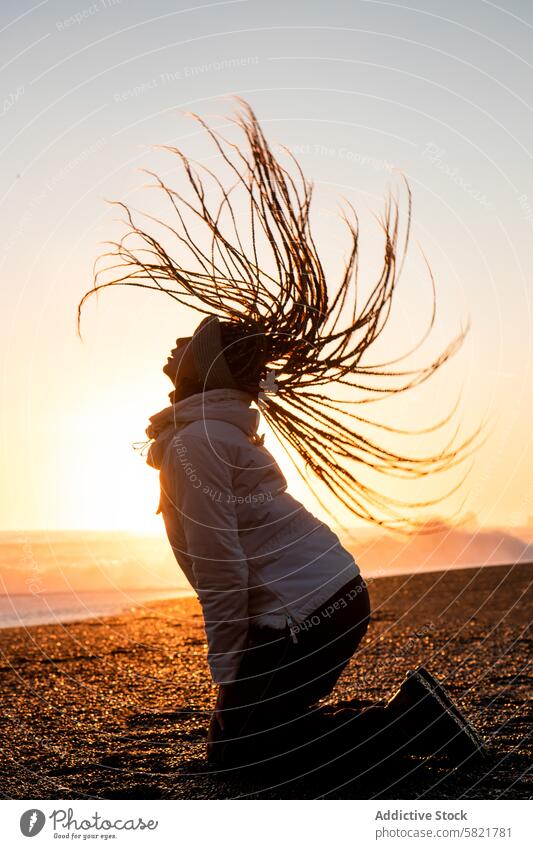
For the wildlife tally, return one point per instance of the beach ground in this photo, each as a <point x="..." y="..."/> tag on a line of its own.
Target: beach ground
<point x="119" y="707"/>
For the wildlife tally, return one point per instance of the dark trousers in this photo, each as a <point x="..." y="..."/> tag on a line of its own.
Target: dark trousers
<point x="269" y="711"/>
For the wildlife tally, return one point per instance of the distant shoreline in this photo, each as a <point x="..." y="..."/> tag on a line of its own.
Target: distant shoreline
<point x="144" y="598"/>
<point x="28" y="610"/>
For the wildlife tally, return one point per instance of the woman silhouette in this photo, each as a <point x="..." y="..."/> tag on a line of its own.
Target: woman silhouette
<point x="284" y="603"/>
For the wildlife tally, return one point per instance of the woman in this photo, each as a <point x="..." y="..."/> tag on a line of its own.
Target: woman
<point x="285" y="606"/>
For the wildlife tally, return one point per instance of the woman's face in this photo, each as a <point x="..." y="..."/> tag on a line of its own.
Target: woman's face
<point x="179" y="366"/>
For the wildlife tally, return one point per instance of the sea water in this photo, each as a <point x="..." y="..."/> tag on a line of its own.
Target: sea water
<point x="63" y="576"/>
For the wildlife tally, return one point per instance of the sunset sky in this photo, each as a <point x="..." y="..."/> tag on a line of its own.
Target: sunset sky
<point x="360" y="91"/>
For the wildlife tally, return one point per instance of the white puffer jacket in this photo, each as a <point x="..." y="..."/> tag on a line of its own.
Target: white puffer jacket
<point x="249" y="549"/>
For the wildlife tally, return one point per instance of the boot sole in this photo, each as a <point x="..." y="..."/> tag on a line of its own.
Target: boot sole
<point x="442" y="694"/>
<point x="437" y="723"/>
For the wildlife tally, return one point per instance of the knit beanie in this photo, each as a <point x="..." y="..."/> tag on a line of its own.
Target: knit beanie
<point x="209" y="360"/>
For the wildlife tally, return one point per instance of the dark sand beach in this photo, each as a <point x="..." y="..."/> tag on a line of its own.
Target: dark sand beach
<point x="119" y="707"/>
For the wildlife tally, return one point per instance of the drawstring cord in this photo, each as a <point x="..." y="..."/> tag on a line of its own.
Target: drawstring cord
<point x="142" y="448"/>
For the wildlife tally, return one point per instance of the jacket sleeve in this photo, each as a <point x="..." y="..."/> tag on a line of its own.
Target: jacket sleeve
<point x="204" y="497"/>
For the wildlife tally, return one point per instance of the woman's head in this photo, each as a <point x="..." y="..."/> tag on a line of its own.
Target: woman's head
<point x="219" y="355"/>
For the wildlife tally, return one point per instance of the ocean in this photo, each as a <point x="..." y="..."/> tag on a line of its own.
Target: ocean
<point x="60" y="576"/>
<point x="22" y="610"/>
<point x="64" y="576"/>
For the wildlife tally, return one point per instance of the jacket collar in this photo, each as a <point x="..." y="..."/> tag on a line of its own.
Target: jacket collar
<point x="228" y="405"/>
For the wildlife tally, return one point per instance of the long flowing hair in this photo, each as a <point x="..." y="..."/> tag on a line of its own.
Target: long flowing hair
<point x="260" y="272"/>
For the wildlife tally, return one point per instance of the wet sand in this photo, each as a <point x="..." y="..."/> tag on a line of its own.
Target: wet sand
<point x="119" y="707"/>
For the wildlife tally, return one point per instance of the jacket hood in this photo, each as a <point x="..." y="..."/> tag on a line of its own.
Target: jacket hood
<point x="227" y="405"/>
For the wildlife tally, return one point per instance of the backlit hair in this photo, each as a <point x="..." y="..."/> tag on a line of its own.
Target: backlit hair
<point x="260" y="272"/>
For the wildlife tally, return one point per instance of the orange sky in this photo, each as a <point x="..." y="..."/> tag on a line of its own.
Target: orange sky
<point x="79" y="120"/>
